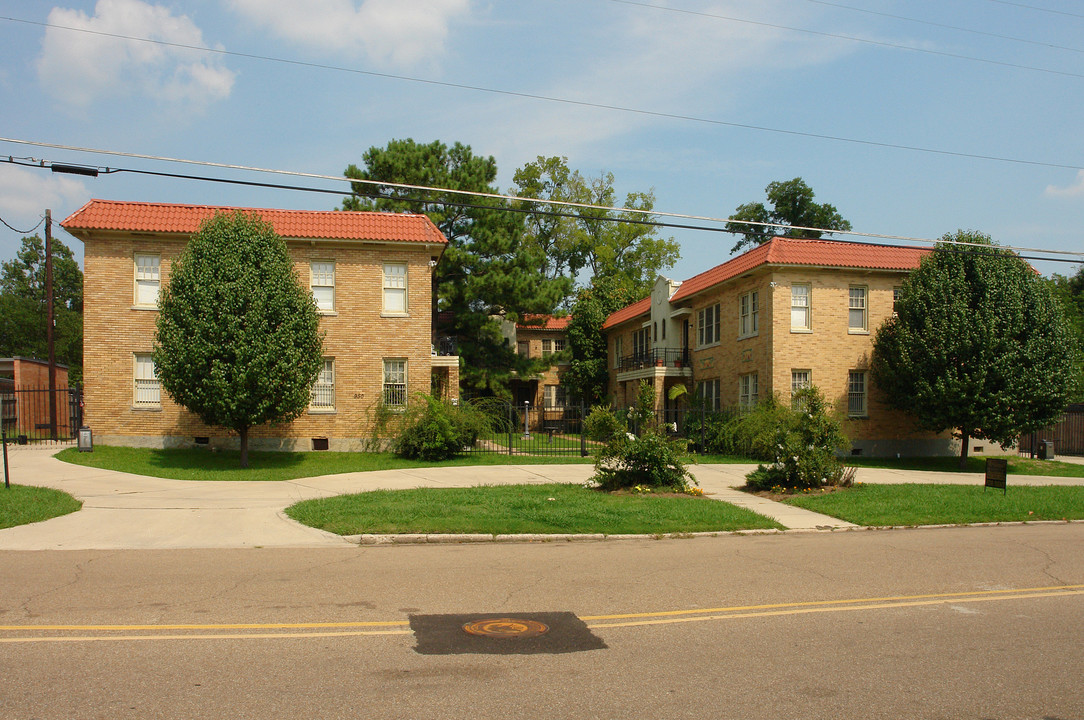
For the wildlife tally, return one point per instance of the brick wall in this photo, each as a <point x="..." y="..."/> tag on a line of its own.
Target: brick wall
<point x="358" y="337"/>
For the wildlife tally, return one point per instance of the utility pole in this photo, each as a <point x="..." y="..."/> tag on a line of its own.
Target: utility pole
<point x="50" y="320"/>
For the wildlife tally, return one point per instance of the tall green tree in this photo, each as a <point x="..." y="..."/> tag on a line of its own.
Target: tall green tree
<point x="792" y="207"/>
<point x="238" y="340"/>
<point x="487" y="272"/>
<point x="23" y="311"/>
<point x="1069" y="291"/>
<point x="978" y="345"/>
<point x="588" y="373"/>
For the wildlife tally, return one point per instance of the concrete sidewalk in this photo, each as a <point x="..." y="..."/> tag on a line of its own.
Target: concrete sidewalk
<point x="135" y="511"/>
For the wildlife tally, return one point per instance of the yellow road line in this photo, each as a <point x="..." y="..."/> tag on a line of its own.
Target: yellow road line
<point x="832" y="608"/>
<point x="820" y="603"/>
<point x="668" y="617"/>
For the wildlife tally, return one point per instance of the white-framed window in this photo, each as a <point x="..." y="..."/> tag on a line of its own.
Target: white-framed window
<point x="617" y="352"/>
<point x="558" y="345"/>
<point x="395" y="384"/>
<point x="323" y="390"/>
<point x="748" y="314"/>
<point x="748" y="391"/>
<point x="800" y="306"/>
<point x="395" y="288"/>
<point x="707" y="391"/>
<point x="707" y="325"/>
<point x="555" y="396"/>
<point x="856" y="394"/>
<point x="799" y="380"/>
<point x="523" y="348"/>
<point x="857" y="315"/>
<point x="322" y="282"/>
<point x="896" y="300"/>
<point x="148" y="390"/>
<point x="148" y="279"/>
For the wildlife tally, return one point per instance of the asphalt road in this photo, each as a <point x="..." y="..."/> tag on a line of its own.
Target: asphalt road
<point x="929" y="623"/>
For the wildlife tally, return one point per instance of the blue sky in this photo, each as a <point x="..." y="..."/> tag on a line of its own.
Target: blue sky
<point x="1005" y="80"/>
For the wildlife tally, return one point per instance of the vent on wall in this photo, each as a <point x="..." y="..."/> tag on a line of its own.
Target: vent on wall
<point x="856" y="451"/>
<point x="203" y="441"/>
<point x="319" y="443"/>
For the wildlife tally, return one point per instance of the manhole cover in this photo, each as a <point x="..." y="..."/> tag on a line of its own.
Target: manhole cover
<point x="506" y="628"/>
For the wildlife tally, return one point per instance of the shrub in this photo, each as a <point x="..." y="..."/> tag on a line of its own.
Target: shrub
<point x="648" y="458"/>
<point x="804" y="447"/>
<point x="437" y="430"/>
<point x="602" y="425"/>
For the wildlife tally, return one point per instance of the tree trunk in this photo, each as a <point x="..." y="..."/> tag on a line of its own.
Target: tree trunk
<point x="964" y="441"/>
<point x="244" y="446"/>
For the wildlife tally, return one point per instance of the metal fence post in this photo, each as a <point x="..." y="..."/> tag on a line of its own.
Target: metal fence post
<point x="4" y="442"/>
<point x="511" y="424"/>
<point x="583" y="430"/>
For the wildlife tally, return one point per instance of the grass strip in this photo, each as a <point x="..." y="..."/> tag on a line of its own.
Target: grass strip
<point x="975" y="464"/>
<point x="204" y="464"/>
<point x="913" y="504"/>
<point x="23" y="504"/>
<point x="517" y="509"/>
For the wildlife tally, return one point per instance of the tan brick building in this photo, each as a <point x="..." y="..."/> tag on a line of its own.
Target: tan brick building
<point x="541" y="337"/>
<point x="370" y="273"/>
<point x="787" y="314"/>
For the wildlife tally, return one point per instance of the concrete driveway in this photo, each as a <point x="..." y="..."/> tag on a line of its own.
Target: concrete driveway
<point x="124" y="511"/>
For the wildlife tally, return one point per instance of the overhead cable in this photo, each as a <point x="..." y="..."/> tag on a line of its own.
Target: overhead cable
<point x="566" y="101"/>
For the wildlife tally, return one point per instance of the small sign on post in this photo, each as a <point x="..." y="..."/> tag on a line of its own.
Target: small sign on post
<point x="997" y="470"/>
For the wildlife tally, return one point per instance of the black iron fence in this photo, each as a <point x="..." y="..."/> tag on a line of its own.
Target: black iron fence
<point x="655" y="357"/>
<point x="32" y="415"/>
<point x="1067" y="435"/>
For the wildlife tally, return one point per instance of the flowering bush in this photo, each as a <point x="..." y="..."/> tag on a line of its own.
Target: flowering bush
<point x="645" y="460"/>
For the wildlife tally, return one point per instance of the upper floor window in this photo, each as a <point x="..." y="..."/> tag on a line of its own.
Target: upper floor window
<point x="707" y="325"/>
<point x="148" y="279"/>
<point x="857" y="315"/>
<point x="641" y="342"/>
<point x="558" y="344"/>
<point x="896" y="300"/>
<point x="523" y="348"/>
<point x="322" y="282"/>
<point x="800" y="307"/>
<point x="748" y="391"/>
<point x="748" y="314"/>
<point x="395" y="288"/>
<point x="323" y="390"/>
<point x="148" y="391"/>
<point x="617" y="352"/>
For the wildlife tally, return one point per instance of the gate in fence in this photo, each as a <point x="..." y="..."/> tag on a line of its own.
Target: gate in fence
<point x="1067" y="434"/>
<point x="36" y="415"/>
<point x="525" y="430"/>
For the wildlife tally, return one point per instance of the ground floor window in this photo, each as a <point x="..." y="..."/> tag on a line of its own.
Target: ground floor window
<point x="395" y="387"/>
<point x="707" y="392"/>
<point x="799" y="380"/>
<point x="148" y="391"/>
<point x="555" y="396"/>
<point x="748" y="390"/>
<point x="856" y="394"/>
<point x="323" y="390"/>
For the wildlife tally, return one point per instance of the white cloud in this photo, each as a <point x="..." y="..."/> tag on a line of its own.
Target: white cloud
<point x="24" y="194"/>
<point x="81" y="67"/>
<point x="391" y="32"/>
<point x="1074" y="189"/>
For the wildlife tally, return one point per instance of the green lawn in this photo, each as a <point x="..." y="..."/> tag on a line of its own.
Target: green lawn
<point x="908" y="504"/>
<point x="975" y="464"/>
<point x="513" y="509"/>
<point x="21" y="505"/>
<point x="203" y="464"/>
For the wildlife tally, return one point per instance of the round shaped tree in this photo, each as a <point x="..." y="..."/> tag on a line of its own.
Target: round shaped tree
<point x="978" y="345"/>
<point x="238" y="340"/>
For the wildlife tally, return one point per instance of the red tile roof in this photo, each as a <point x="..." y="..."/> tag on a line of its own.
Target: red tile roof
<point x="544" y="322"/>
<point x="787" y="251"/>
<point x="301" y="224"/>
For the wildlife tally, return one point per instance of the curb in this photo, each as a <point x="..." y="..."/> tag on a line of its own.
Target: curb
<point x="369" y="539"/>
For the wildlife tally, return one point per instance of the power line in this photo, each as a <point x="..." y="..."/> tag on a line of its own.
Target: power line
<point x="851" y="38"/>
<point x="30" y="162"/>
<point x="1034" y="7"/>
<point x="999" y="36"/>
<point x="22" y="232"/>
<point x="569" y="101"/>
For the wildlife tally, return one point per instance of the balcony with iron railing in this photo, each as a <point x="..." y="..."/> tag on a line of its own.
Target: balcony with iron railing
<point x="656" y="357"/>
<point x="445" y="346"/>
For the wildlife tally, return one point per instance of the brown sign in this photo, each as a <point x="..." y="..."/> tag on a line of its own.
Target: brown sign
<point x="997" y="470"/>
